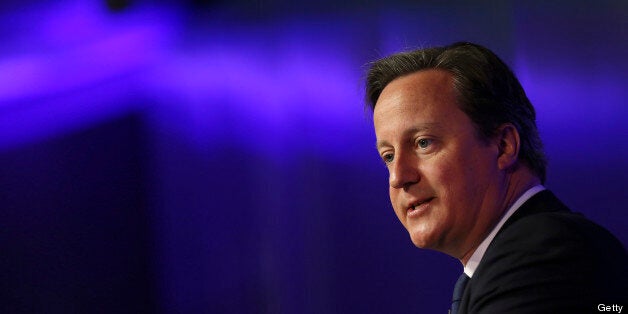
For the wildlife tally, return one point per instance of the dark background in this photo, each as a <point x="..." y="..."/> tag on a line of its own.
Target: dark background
<point x="215" y="156"/>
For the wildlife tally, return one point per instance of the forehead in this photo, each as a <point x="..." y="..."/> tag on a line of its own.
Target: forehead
<point x="427" y="94"/>
<point x="421" y="83"/>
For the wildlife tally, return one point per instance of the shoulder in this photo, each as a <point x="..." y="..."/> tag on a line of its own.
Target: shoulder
<point x="552" y="258"/>
<point x="557" y="229"/>
<point x="545" y="224"/>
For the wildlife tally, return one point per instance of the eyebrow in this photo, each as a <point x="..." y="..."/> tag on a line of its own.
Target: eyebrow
<point x="415" y="129"/>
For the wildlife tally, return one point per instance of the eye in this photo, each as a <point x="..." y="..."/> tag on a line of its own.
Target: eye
<point x="388" y="158"/>
<point x="424" y="143"/>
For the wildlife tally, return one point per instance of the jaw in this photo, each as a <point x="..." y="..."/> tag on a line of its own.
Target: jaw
<point x="427" y="233"/>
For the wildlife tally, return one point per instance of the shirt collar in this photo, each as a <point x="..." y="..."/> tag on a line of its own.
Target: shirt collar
<point x="475" y="259"/>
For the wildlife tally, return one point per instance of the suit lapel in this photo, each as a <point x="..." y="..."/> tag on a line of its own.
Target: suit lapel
<point x="542" y="202"/>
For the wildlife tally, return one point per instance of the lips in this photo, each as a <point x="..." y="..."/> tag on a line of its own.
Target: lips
<point x="419" y="206"/>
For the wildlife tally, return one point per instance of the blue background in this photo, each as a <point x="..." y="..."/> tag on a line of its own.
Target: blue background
<point x="215" y="156"/>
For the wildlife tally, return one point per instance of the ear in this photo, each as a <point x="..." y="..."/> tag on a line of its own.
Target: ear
<point x="508" y="141"/>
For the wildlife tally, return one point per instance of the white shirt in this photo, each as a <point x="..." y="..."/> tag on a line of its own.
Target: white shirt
<point x="475" y="259"/>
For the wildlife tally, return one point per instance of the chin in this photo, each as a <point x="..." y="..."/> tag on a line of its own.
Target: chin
<point x="419" y="242"/>
<point x="425" y="240"/>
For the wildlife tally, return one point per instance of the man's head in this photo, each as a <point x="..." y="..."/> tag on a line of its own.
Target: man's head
<point x="458" y="136"/>
<point x="487" y="90"/>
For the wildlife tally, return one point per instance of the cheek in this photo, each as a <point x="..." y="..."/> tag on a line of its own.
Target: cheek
<point x="452" y="180"/>
<point x="463" y="182"/>
<point x="441" y="173"/>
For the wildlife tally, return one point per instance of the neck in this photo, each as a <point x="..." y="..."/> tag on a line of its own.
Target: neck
<point x="517" y="183"/>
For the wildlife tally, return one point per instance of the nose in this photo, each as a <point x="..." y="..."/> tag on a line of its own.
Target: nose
<point x="403" y="171"/>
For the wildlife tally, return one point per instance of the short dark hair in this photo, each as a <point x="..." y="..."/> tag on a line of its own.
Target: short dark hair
<point x="488" y="91"/>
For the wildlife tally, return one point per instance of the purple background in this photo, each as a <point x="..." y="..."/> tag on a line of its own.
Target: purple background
<point x="215" y="156"/>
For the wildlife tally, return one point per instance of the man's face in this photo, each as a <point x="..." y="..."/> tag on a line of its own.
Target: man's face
<point x="444" y="180"/>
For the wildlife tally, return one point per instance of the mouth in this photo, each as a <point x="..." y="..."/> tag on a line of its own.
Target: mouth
<point x="419" y="206"/>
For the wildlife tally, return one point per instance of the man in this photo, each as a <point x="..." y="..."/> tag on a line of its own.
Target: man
<point x="458" y="136"/>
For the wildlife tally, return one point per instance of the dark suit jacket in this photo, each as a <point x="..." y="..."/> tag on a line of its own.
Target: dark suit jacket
<point x="547" y="259"/>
